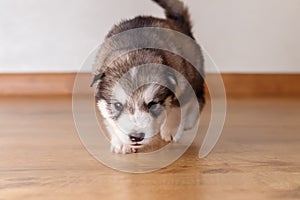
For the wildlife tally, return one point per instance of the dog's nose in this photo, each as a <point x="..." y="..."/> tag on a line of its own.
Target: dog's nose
<point x="137" y="137"/>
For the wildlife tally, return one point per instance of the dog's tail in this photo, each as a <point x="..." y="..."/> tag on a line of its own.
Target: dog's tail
<point x="175" y="10"/>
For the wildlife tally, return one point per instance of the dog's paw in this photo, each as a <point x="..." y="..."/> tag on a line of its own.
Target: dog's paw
<point x="121" y="148"/>
<point x="172" y="135"/>
<point x="178" y="136"/>
<point x="166" y="136"/>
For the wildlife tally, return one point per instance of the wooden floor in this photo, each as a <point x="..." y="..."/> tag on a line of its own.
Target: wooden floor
<point x="257" y="157"/>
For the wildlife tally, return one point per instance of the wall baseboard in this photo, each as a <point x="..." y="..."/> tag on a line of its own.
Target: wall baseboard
<point x="36" y="84"/>
<point x="262" y="85"/>
<point x="237" y="85"/>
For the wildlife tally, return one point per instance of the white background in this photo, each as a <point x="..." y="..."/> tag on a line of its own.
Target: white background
<point x="242" y="36"/>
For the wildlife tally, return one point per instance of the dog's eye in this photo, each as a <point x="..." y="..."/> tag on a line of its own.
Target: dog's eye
<point x="118" y="106"/>
<point x="154" y="108"/>
<point x="152" y="105"/>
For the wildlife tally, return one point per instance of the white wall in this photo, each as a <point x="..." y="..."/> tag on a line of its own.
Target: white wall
<point x="241" y="35"/>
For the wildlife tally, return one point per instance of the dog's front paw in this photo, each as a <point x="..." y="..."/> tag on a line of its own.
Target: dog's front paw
<point x="121" y="148"/>
<point x="171" y="135"/>
<point x="166" y="136"/>
<point x="178" y="135"/>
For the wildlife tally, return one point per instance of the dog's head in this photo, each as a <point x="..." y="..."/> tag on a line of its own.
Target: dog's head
<point x="134" y="95"/>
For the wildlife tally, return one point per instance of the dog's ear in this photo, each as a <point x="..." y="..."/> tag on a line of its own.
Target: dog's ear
<point x="97" y="79"/>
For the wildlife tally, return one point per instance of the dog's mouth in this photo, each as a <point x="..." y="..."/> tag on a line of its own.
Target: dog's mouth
<point x="145" y="142"/>
<point x="137" y="145"/>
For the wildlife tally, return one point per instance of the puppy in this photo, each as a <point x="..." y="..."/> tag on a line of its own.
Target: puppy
<point x="139" y="98"/>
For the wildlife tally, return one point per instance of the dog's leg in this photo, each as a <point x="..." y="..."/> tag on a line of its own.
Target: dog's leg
<point x="191" y="115"/>
<point x="175" y="125"/>
<point x="171" y="127"/>
<point x="179" y="133"/>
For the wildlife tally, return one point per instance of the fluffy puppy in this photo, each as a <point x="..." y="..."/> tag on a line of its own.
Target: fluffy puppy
<point x="140" y="99"/>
